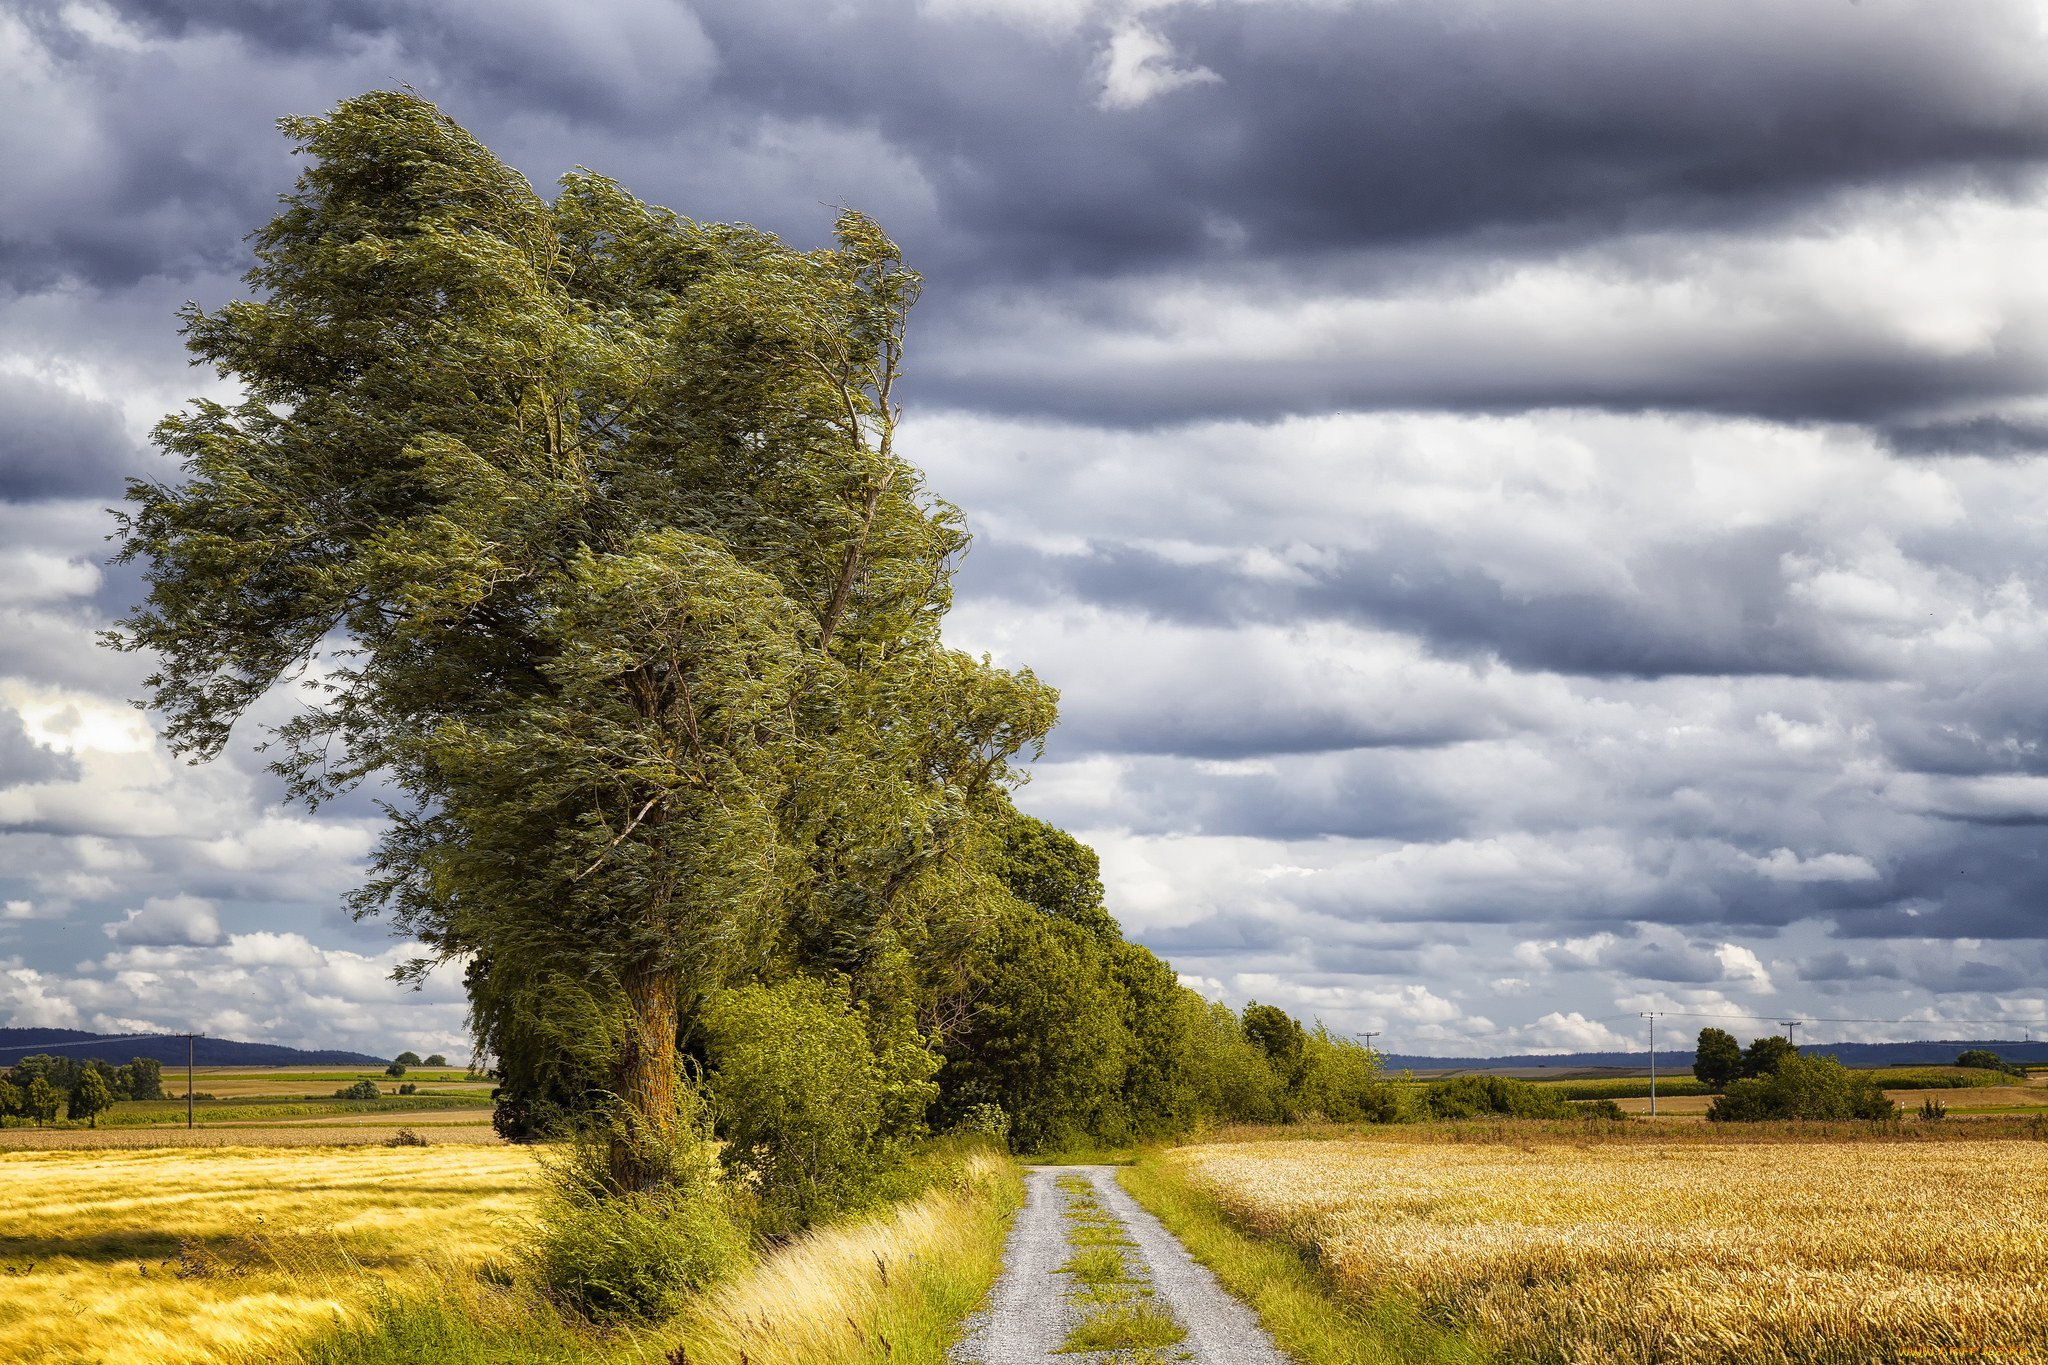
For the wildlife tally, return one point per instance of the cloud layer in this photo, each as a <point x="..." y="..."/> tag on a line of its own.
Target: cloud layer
<point x="1534" y="509"/>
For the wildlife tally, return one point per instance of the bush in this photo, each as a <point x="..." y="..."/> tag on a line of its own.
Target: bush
<point x="619" y="1257"/>
<point x="395" y="1070"/>
<point x="1602" y="1110"/>
<point x="361" y="1090"/>
<point x="984" y="1120"/>
<point x="1804" y="1088"/>
<point x="815" y="1098"/>
<point x="435" y="1060"/>
<point x="1465" y="1097"/>
<point x="405" y="1137"/>
<point x="408" y="1089"/>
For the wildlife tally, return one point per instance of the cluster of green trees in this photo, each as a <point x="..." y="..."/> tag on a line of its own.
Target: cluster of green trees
<point x="1770" y="1079"/>
<point x="406" y="1061"/>
<point x="37" y="1088"/>
<point x="1984" y="1059"/>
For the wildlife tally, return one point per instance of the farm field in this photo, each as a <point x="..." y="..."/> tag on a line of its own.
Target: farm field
<point x="1748" y="1248"/>
<point x="239" y="1099"/>
<point x="174" y="1255"/>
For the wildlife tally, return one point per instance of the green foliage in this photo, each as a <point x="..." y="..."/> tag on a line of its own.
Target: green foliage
<point x="406" y="1059"/>
<point x="1228" y="1074"/>
<point x="395" y="1070"/>
<point x="435" y="1059"/>
<point x="1053" y="872"/>
<point x="1933" y="1108"/>
<point x="11" y="1100"/>
<point x="408" y="1089"/>
<point x="361" y="1090"/>
<point x="1343" y="1081"/>
<point x="90" y="1097"/>
<point x="1765" y="1056"/>
<point x="636" y="1255"/>
<point x="1464" y="1097"/>
<point x="1717" y="1059"/>
<point x="1984" y="1059"/>
<point x="144" y="1079"/>
<point x="815" y="1097"/>
<point x="1803" y="1088"/>
<point x="39" y="1100"/>
<point x="984" y="1120"/>
<point x="639" y="607"/>
<point x="1276" y="1033"/>
<point x="1045" y="1040"/>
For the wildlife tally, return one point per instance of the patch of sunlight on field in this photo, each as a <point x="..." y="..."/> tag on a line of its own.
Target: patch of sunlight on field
<point x="192" y="1254"/>
<point x="1755" y="1251"/>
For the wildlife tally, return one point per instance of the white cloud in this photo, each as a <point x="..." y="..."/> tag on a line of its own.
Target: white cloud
<point x="1138" y="66"/>
<point x="1783" y="865"/>
<point x="168" y="920"/>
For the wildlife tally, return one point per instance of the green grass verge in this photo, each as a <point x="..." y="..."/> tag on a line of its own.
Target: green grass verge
<point x="1308" y="1316"/>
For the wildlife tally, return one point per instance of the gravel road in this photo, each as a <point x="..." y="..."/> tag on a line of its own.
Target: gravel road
<point x="1029" y="1313"/>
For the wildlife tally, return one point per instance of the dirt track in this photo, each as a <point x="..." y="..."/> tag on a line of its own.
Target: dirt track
<point x="1031" y="1309"/>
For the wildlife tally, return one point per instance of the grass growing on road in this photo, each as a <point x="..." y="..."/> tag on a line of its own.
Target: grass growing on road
<point x="1120" y="1316"/>
<point x="1301" y="1307"/>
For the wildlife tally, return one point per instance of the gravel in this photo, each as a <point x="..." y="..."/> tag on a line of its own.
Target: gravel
<point x="1028" y="1315"/>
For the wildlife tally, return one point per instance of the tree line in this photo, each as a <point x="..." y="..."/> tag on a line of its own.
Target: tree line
<point x="36" y="1088"/>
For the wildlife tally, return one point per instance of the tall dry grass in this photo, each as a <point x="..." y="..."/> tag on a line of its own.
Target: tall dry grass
<point x="1755" y="1252"/>
<point x="197" y="1254"/>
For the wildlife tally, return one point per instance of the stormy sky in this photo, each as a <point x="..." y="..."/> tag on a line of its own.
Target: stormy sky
<point x="1536" y="509"/>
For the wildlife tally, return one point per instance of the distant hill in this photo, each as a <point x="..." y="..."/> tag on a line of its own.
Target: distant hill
<point x="16" y="1043"/>
<point x="1939" y="1052"/>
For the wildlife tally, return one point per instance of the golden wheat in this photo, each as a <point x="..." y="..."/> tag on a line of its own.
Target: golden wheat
<point x="193" y="1254"/>
<point x="1756" y="1252"/>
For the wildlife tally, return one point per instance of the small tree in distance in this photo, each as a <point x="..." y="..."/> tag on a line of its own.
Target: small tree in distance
<point x="90" y="1097"/>
<point x="435" y="1060"/>
<point x="397" y="1068"/>
<point x="40" y="1101"/>
<point x="1717" y="1058"/>
<point x="406" y="1059"/>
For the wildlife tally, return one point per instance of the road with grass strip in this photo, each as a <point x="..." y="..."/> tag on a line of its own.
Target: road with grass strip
<point x="1090" y="1278"/>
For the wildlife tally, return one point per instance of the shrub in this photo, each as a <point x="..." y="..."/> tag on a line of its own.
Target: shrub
<point x="1933" y="1108"/>
<point x="407" y="1059"/>
<point x="814" y="1097"/>
<point x="361" y="1090"/>
<point x="395" y="1070"/>
<point x="1464" y="1097"/>
<point x="405" y="1137"/>
<point x="618" y="1257"/>
<point x="408" y="1089"/>
<point x="984" y="1120"/>
<point x="1604" y="1110"/>
<point x="1804" y="1088"/>
<point x="435" y="1060"/>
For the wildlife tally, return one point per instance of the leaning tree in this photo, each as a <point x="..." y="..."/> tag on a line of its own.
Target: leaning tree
<point x="578" y="528"/>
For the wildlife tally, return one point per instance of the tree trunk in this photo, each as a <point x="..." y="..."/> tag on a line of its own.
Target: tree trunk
<point x="646" y="1079"/>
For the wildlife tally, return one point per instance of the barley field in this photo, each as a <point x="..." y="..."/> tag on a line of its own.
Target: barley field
<point x="1755" y="1251"/>
<point x="204" y="1253"/>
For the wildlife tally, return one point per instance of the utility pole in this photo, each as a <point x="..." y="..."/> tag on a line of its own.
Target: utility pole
<point x="1651" y="1015"/>
<point x="1791" y="1031"/>
<point x="1369" y="1036"/>
<point x="188" y="1082"/>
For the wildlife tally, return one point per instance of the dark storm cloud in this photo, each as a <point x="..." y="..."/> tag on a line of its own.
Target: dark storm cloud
<point x="23" y="760"/>
<point x="1716" y="609"/>
<point x="55" y="444"/>
<point x="1994" y="437"/>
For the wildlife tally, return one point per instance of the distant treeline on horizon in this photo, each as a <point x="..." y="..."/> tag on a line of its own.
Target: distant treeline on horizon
<point x="1938" y="1052"/>
<point x="169" y="1049"/>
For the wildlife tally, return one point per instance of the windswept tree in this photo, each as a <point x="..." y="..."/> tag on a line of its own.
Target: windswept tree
<point x="580" y="527"/>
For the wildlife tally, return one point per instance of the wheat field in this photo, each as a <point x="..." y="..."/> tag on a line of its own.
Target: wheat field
<point x="199" y="1254"/>
<point x="1751" y="1251"/>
